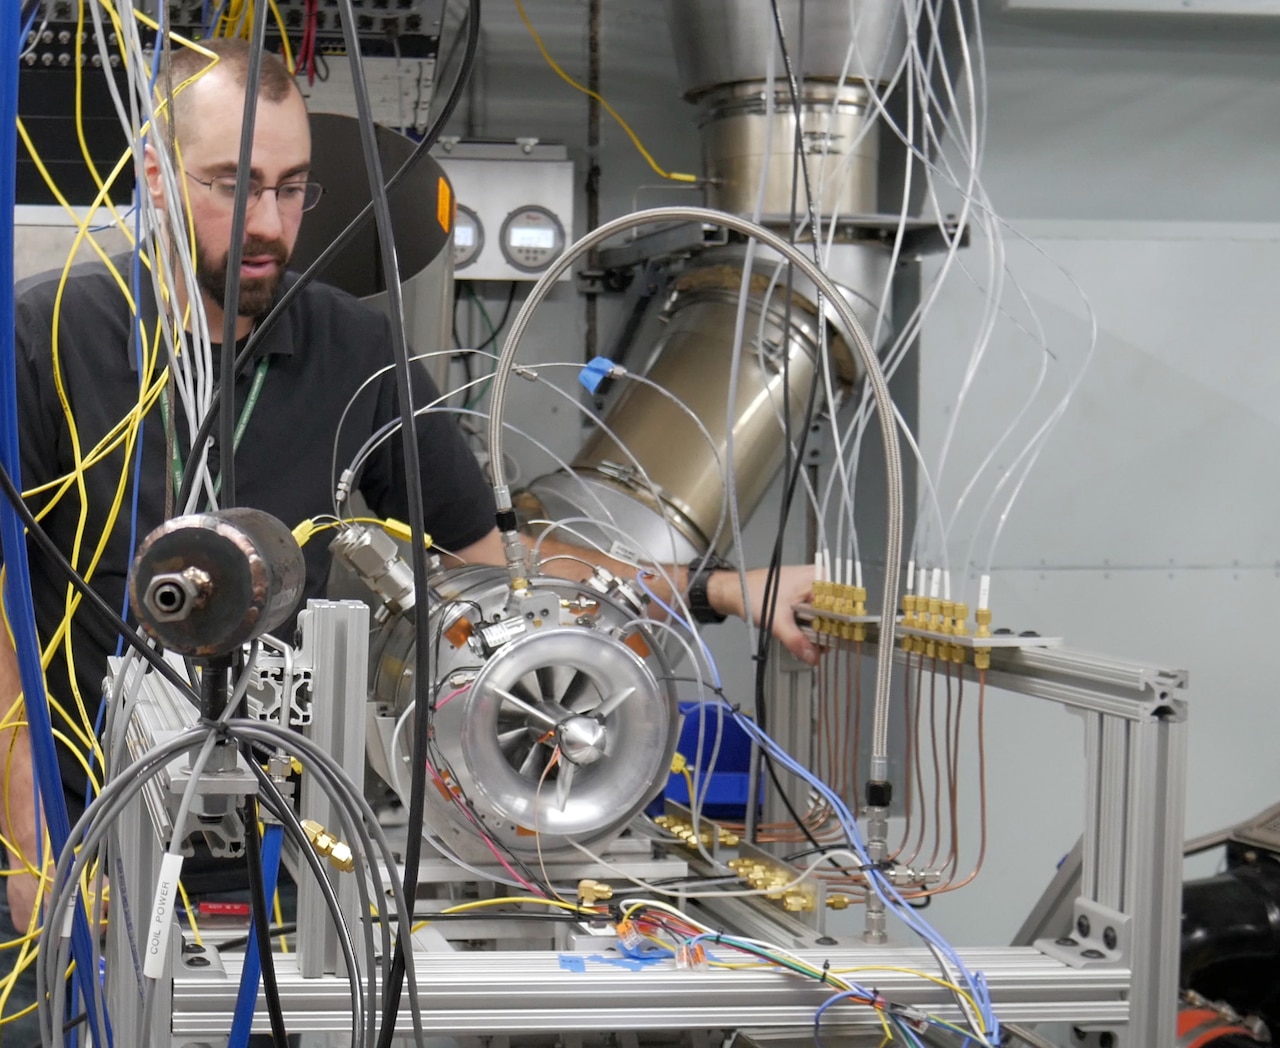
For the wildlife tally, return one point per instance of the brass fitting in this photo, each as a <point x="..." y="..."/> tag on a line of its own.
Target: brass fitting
<point x="591" y="892"/>
<point x="983" y="618"/>
<point x="326" y="844"/>
<point x="837" y="902"/>
<point x="948" y="625"/>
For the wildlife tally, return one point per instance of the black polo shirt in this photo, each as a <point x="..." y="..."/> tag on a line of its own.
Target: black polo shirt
<point x="319" y="353"/>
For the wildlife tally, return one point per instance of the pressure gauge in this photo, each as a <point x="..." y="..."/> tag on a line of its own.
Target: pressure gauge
<point x="532" y="237"/>
<point x="468" y="237"/>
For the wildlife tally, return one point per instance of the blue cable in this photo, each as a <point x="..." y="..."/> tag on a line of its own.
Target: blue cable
<point x="706" y="653"/>
<point x="976" y="983"/>
<point x="135" y="289"/>
<point x="44" y="757"/>
<point x="247" y="996"/>
<point x="207" y="28"/>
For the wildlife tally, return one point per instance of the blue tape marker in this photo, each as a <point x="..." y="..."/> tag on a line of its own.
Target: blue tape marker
<point x="594" y="374"/>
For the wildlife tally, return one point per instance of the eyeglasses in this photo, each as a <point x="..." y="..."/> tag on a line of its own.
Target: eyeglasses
<point x="290" y="196"/>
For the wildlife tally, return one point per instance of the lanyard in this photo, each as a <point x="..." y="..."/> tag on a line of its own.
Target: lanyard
<point x="242" y="423"/>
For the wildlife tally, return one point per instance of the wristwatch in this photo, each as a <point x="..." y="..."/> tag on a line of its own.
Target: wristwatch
<point x="696" y="592"/>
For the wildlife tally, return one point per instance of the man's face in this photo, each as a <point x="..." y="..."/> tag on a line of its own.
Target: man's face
<point x="210" y="149"/>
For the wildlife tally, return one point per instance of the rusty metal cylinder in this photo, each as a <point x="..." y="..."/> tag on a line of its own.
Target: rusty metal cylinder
<point x="204" y="584"/>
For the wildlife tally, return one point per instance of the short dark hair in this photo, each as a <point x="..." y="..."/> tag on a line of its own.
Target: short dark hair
<point x="275" y="83"/>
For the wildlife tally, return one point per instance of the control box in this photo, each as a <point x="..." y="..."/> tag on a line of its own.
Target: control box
<point x="515" y="207"/>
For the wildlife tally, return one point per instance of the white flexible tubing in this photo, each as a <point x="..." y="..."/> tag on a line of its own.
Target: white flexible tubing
<point x="727" y="473"/>
<point x="852" y="329"/>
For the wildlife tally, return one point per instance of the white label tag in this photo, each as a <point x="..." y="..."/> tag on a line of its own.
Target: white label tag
<point x="621" y="551"/>
<point x="157" y="945"/>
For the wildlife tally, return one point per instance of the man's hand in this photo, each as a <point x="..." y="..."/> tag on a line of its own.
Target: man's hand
<point x="795" y="586"/>
<point x="22" y="886"/>
<point x="17" y="802"/>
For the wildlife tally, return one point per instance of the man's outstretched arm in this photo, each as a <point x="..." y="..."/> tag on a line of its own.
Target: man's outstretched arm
<point x="724" y="588"/>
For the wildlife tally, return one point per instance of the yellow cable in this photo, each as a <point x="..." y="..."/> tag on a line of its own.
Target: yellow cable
<point x="510" y="900"/>
<point x="944" y="983"/>
<point x="191" y="914"/>
<point x="284" y="37"/>
<point x="531" y="899"/>
<point x="673" y="176"/>
<point x="279" y="912"/>
<point x="103" y="188"/>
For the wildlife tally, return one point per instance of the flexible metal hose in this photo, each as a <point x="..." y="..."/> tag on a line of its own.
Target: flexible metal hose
<point x="851" y="328"/>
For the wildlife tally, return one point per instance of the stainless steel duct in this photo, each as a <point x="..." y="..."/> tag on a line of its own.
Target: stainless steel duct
<point x="745" y="138"/>
<point x="720" y="42"/>
<point x="658" y="484"/>
<point x="662" y="480"/>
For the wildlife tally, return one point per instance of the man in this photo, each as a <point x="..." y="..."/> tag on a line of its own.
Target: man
<point x="313" y="362"/>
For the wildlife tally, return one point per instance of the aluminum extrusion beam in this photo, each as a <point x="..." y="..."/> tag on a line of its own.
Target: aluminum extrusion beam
<point x="509" y="993"/>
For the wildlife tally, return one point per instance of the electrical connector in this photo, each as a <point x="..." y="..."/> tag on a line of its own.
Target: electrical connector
<point x="629" y="935"/>
<point x="692" y="958"/>
<point x="678" y="763"/>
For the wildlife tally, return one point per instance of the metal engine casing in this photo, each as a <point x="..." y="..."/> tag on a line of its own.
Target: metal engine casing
<point x="581" y="673"/>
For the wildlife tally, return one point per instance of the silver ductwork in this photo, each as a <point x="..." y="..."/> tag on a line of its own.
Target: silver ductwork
<point x="720" y="42"/>
<point x="651" y="472"/>
<point x="656" y="470"/>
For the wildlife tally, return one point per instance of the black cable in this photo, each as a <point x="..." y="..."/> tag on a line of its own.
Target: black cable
<point x="274" y="802"/>
<point x="241" y="941"/>
<point x="497" y="328"/>
<point x="235" y="254"/>
<point x="413" y="497"/>
<point x="50" y="549"/>
<point x="67" y="1027"/>
<point x="262" y="921"/>
<point x="799" y="168"/>
<point x="273" y="317"/>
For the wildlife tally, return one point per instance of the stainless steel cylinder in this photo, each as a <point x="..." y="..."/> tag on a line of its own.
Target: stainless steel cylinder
<point x="661" y="457"/>
<point x="720" y="42"/>
<point x="655" y="493"/>
<point x="554" y="716"/>
<point x="743" y="142"/>
<point x="206" y="583"/>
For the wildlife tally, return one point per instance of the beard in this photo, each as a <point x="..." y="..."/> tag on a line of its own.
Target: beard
<point x="256" y="293"/>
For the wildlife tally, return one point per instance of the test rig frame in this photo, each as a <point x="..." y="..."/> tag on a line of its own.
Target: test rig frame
<point x="1112" y="976"/>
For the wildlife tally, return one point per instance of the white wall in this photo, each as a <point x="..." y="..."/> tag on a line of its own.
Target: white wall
<point x="1142" y="153"/>
<point x="1140" y="156"/>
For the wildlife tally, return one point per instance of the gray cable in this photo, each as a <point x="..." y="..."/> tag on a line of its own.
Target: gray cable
<point x="851" y="328"/>
<point x="284" y="812"/>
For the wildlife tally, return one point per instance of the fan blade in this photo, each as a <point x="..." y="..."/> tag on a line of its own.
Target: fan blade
<point x="581" y="694"/>
<point x="507" y="740"/>
<point x="532" y="711"/>
<point x="612" y="702"/>
<point x="535" y="760"/>
<point x="553" y="680"/>
<point x="564" y="777"/>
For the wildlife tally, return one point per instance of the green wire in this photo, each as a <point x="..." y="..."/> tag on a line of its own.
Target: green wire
<point x="242" y="423"/>
<point x="473" y="400"/>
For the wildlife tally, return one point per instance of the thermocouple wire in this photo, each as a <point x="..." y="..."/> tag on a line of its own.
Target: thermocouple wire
<point x="851" y="328"/>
